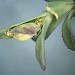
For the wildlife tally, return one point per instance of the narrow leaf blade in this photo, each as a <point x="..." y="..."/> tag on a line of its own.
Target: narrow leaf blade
<point x="3" y="31"/>
<point x="53" y="25"/>
<point x="40" y="43"/>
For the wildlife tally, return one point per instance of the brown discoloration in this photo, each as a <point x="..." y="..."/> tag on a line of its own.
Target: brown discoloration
<point x="25" y="30"/>
<point x="28" y="28"/>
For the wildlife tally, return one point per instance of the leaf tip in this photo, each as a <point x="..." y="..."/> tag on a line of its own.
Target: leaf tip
<point x="43" y="66"/>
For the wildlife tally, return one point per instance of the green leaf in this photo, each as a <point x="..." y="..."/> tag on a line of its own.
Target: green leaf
<point x="34" y="38"/>
<point x="53" y="25"/>
<point x="24" y="32"/>
<point x="40" y="42"/>
<point x="59" y="8"/>
<point x="67" y="33"/>
<point x="4" y="36"/>
<point x="4" y="30"/>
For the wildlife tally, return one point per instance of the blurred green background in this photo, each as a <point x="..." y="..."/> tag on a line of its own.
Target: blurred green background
<point x="18" y="58"/>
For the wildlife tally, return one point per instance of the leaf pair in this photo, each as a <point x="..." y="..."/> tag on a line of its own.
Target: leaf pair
<point x="60" y="9"/>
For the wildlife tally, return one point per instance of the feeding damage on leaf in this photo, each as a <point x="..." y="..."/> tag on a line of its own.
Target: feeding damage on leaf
<point x="41" y="27"/>
<point x="25" y="31"/>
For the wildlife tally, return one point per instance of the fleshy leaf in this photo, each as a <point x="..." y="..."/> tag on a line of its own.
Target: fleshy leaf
<point x="53" y="25"/>
<point x="4" y="30"/>
<point x="34" y="38"/>
<point x="24" y="32"/>
<point x="67" y="33"/>
<point x="59" y="8"/>
<point x="40" y="49"/>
